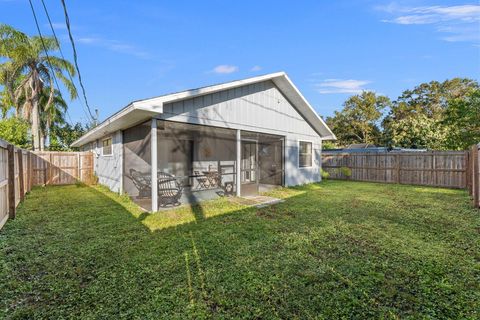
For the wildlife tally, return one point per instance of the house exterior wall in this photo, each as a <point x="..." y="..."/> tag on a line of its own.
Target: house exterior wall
<point x="108" y="168"/>
<point x="259" y="107"/>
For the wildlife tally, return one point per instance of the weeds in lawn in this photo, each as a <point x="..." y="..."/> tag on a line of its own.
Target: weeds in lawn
<point x="337" y="249"/>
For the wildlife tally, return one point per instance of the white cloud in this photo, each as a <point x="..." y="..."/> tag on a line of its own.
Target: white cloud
<point x="59" y="26"/>
<point x="88" y="40"/>
<point x="114" y="45"/>
<point x="349" y="86"/>
<point x="225" y="69"/>
<point x="256" y="68"/>
<point x="461" y="22"/>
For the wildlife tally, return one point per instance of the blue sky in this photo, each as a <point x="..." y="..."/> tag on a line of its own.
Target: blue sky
<point x="129" y="50"/>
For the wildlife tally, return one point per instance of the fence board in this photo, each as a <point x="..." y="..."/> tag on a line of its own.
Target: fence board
<point x="60" y="168"/>
<point x="435" y="168"/>
<point x="3" y="185"/>
<point x="21" y="169"/>
<point x="474" y="174"/>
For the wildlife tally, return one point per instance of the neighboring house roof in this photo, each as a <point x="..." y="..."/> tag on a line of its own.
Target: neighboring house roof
<point x="142" y="110"/>
<point x="360" y="146"/>
<point x="373" y="150"/>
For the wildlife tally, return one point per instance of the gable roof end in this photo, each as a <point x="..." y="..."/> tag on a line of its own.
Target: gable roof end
<point x="143" y="110"/>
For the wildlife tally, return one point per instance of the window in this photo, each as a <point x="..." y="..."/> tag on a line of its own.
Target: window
<point x="107" y="147"/>
<point x="304" y="154"/>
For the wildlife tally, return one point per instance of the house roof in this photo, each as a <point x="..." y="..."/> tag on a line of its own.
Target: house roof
<point x="360" y="146"/>
<point x="142" y="110"/>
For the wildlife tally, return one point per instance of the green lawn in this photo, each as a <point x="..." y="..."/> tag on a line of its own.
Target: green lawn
<point x="331" y="250"/>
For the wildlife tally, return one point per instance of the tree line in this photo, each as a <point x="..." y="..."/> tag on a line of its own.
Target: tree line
<point x="434" y="115"/>
<point x="33" y="109"/>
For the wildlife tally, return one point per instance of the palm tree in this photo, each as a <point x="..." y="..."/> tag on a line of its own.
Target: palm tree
<point x="28" y="61"/>
<point x="52" y="115"/>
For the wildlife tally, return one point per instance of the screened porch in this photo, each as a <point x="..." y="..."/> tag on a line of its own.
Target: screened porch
<point x="195" y="163"/>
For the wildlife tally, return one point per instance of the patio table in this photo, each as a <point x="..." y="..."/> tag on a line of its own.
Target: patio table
<point x="213" y="177"/>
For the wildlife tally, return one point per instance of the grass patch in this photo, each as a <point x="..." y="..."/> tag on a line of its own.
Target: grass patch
<point x="331" y="250"/>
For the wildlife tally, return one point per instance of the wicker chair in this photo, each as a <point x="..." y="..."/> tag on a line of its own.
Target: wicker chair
<point x="142" y="182"/>
<point x="202" y="180"/>
<point x="169" y="189"/>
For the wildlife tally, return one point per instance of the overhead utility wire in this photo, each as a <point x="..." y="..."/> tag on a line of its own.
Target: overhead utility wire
<point x="43" y="44"/>
<point x="46" y="53"/>
<point x="63" y="57"/>
<point x="75" y="59"/>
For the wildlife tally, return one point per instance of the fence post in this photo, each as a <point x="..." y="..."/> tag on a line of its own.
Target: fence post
<point x="20" y="174"/>
<point x="79" y="166"/>
<point x="476" y="177"/>
<point x="468" y="171"/>
<point x="30" y="171"/>
<point x="397" y="160"/>
<point x="11" y="181"/>
<point x="434" y="169"/>
<point x="49" y="181"/>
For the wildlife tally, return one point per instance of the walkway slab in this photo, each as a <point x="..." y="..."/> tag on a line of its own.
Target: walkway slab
<point x="256" y="201"/>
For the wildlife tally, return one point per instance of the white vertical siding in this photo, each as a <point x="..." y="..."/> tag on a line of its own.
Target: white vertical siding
<point x="108" y="168"/>
<point x="259" y="107"/>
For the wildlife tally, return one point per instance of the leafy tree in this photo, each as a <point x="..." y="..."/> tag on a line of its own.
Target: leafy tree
<point x="61" y="137"/>
<point x="358" y="120"/>
<point x="26" y="60"/>
<point x="463" y="120"/>
<point x="416" y="118"/>
<point x="329" y="145"/>
<point x="431" y="99"/>
<point x="15" y="131"/>
<point x="417" y="132"/>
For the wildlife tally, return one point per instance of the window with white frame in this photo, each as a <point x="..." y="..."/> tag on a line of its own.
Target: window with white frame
<point x="305" y="154"/>
<point x="107" y="147"/>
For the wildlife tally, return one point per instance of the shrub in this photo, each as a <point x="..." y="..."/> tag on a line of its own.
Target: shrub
<point x="15" y="131"/>
<point x="325" y="175"/>
<point x="347" y="172"/>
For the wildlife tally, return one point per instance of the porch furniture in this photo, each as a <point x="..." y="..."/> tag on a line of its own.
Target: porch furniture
<point x="142" y="182"/>
<point x="203" y="182"/>
<point x="169" y="189"/>
<point x="213" y="178"/>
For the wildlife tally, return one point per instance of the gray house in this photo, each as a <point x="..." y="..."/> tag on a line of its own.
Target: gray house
<point x="236" y="138"/>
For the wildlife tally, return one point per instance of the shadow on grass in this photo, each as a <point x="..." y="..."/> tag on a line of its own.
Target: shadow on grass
<point x="87" y="252"/>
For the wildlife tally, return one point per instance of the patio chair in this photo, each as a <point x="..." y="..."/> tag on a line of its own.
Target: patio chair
<point x="214" y="179"/>
<point x="142" y="182"/>
<point x="201" y="179"/>
<point x="169" y="189"/>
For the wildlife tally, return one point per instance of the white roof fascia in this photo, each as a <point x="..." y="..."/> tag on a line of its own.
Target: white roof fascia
<point x="151" y="107"/>
<point x="305" y="109"/>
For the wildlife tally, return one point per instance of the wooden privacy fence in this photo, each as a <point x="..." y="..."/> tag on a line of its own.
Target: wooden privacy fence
<point x="433" y="168"/>
<point x="473" y="174"/>
<point x="58" y="168"/>
<point x="21" y="169"/>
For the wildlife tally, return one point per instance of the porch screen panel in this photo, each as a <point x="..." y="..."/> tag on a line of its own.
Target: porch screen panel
<point x="200" y="158"/>
<point x="270" y="155"/>
<point x="137" y="164"/>
<point x="269" y="164"/>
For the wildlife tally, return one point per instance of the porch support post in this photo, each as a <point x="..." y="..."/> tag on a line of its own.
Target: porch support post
<point x="239" y="159"/>
<point x="153" y="143"/>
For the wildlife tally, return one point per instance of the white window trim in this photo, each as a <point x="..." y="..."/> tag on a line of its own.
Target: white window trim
<point x="298" y="154"/>
<point x="110" y="154"/>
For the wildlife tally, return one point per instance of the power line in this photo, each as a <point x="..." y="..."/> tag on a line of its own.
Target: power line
<point x="61" y="54"/>
<point x="48" y="57"/>
<point x="46" y="53"/>
<point x="67" y="22"/>
<point x="43" y="45"/>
